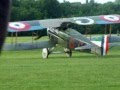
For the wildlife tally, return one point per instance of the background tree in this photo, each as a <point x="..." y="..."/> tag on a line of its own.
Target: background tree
<point x="117" y="1"/>
<point x="87" y="1"/>
<point x="92" y="1"/>
<point x="51" y="9"/>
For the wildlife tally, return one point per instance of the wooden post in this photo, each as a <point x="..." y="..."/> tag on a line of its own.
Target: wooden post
<point x="90" y="34"/>
<point x="105" y="29"/>
<point x="32" y="38"/>
<point x="16" y="35"/>
<point x="36" y="40"/>
<point x="86" y="31"/>
<point x="110" y="30"/>
<point x="12" y="35"/>
<point x="118" y="33"/>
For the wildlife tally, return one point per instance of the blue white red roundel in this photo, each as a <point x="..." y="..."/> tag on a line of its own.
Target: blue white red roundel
<point x="19" y="26"/>
<point x="111" y="18"/>
<point x="84" y="21"/>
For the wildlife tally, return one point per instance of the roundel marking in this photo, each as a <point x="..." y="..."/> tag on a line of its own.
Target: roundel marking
<point x="84" y="21"/>
<point x="111" y="18"/>
<point x="19" y="26"/>
<point x="71" y="44"/>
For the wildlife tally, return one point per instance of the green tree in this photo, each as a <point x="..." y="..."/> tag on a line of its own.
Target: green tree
<point x="16" y="3"/>
<point x="87" y="1"/>
<point x="117" y="1"/>
<point x="92" y="1"/>
<point x="51" y="8"/>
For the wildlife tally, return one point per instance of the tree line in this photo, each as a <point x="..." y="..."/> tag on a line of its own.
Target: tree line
<point x="23" y="10"/>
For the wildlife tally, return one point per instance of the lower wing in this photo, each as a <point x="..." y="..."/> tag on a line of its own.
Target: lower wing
<point x="29" y="46"/>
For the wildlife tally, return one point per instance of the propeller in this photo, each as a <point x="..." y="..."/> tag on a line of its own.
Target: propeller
<point x="4" y="16"/>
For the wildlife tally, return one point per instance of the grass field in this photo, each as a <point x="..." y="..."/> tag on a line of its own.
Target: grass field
<point x="26" y="70"/>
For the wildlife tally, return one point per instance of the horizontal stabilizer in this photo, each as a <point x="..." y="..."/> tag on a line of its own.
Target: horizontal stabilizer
<point x="84" y="47"/>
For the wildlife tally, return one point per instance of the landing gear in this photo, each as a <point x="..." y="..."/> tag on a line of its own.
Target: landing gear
<point x="45" y="53"/>
<point x="68" y="52"/>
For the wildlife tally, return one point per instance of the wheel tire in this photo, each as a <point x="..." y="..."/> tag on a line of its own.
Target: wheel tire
<point x="45" y="53"/>
<point x="69" y="54"/>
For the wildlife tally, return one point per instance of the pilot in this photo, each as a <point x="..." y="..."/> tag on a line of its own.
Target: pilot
<point x="64" y="26"/>
<point x="40" y="34"/>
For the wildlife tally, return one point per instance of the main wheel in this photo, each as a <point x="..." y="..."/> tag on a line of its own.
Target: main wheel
<point x="45" y="53"/>
<point x="68" y="52"/>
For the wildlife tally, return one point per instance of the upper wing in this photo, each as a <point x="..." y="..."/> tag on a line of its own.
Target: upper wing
<point x="53" y="23"/>
<point x="24" y="26"/>
<point x="102" y="19"/>
<point x="88" y="20"/>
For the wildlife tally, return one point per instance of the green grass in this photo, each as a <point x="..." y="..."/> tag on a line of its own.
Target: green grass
<point x="26" y="70"/>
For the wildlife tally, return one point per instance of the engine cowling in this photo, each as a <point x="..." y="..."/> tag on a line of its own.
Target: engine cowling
<point x="105" y="45"/>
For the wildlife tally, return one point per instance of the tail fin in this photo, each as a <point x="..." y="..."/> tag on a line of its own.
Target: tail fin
<point x="105" y="45"/>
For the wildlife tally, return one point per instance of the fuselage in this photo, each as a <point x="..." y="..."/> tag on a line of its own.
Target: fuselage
<point x="64" y="38"/>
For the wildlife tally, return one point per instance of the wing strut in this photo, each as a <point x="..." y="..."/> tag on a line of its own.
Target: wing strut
<point x="16" y="37"/>
<point x="110" y="30"/>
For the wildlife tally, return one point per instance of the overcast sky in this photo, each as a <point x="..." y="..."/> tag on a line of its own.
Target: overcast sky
<point x="83" y="1"/>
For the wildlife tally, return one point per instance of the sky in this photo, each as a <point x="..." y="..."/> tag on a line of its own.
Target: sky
<point x="83" y="1"/>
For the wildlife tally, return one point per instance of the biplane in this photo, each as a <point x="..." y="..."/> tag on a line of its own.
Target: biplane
<point x="61" y="33"/>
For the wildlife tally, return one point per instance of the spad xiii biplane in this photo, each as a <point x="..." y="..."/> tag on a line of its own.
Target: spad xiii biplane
<point x="60" y="33"/>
